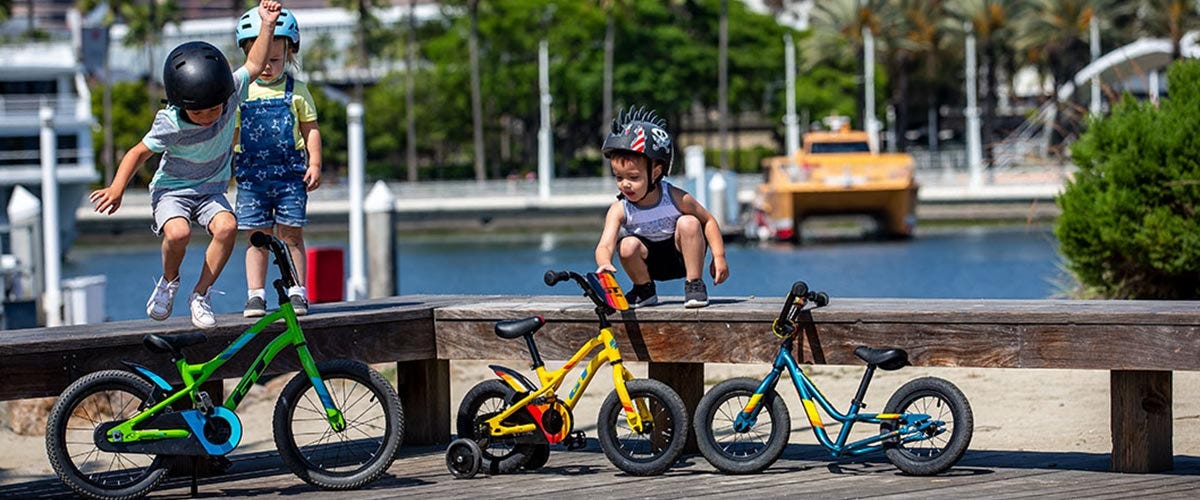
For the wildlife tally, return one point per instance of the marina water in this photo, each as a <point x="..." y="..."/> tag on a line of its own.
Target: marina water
<point x="1017" y="262"/>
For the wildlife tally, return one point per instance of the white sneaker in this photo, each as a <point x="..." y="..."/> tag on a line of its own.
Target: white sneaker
<point x="202" y="314"/>
<point x="162" y="300"/>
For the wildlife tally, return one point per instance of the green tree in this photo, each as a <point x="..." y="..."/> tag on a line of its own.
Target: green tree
<point x="994" y="24"/>
<point x="1129" y="227"/>
<point x="131" y="119"/>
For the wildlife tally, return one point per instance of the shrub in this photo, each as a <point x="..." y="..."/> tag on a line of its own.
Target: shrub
<point x="1129" y="226"/>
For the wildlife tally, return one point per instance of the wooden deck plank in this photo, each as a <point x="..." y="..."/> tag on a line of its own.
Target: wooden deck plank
<point x="421" y="472"/>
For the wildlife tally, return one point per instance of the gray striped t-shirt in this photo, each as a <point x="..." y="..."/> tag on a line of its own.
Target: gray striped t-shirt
<point x="195" y="158"/>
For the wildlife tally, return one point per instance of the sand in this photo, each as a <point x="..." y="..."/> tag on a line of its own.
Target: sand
<point x="1017" y="410"/>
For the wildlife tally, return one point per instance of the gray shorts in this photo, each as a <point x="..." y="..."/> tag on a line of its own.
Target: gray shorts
<point x="198" y="208"/>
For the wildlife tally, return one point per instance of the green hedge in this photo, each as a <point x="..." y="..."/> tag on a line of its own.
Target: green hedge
<point x="1129" y="226"/>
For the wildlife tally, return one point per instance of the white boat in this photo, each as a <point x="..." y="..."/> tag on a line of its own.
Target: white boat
<point x="34" y="74"/>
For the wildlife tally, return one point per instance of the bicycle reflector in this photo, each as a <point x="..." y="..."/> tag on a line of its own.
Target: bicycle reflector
<point x="606" y="286"/>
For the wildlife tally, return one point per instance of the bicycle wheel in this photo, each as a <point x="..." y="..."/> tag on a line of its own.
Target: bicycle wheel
<point x="487" y="399"/>
<point x="95" y="399"/>
<point x="746" y="452"/>
<point x="936" y="452"/>
<point x="652" y="451"/>
<point x="358" y="454"/>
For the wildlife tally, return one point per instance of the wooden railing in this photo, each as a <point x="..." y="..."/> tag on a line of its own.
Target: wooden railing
<point x="1139" y="342"/>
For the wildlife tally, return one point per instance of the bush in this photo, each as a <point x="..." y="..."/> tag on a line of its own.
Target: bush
<point x="1129" y="226"/>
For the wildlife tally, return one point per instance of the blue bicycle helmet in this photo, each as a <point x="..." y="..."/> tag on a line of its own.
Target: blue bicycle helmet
<point x="286" y="26"/>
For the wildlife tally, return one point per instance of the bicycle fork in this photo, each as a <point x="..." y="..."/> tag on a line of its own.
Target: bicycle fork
<point x="333" y="415"/>
<point x="636" y="412"/>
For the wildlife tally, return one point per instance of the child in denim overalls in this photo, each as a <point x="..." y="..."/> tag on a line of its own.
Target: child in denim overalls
<point x="279" y="159"/>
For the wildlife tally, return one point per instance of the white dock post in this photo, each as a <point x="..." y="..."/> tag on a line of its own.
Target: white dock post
<point x="693" y="168"/>
<point x="380" y="208"/>
<point x="25" y="237"/>
<point x="974" y="141"/>
<point x="545" y="133"/>
<point x="52" y="301"/>
<point x="356" y="286"/>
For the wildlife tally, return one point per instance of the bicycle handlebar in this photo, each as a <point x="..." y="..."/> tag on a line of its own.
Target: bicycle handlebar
<point x="555" y="277"/>
<point x="795" y="303"/>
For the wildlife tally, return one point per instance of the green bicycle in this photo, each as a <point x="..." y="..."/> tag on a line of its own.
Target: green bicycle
<point x="337" y="424"/>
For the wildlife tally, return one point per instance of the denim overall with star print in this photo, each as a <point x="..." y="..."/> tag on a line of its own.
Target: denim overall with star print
<point x="270" y="169"/>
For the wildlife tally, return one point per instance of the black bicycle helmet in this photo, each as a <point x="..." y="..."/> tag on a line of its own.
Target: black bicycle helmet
<point x="197" y="76"/>
<point x="641" y="131"/>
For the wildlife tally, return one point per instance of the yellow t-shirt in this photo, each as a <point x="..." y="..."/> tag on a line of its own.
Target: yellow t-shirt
<point x="303" y="108"/>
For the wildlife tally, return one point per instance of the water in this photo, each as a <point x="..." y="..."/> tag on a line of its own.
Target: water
<point x="975" y="263"/>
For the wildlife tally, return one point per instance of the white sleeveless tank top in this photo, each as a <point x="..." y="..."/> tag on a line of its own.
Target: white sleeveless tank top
<point x="656" y="223"/>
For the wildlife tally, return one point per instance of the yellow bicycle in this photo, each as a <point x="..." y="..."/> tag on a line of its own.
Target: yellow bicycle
<point x="509" y="423"/>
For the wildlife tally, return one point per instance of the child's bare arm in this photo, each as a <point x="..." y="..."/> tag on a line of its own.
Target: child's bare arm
<point x="608" y="238"/>
<point x="256" y="60"/>
<point x="712" y="233"/>
<point x="108" y="200"/>
<point x="312" y="142"/>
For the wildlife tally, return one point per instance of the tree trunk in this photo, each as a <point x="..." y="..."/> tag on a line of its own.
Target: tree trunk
<point x="900" y="102"/>
<point x="476" y="105"/>
<point x="607" y="109"/>
<point x="723" y="83"/>
<point x="989" y="105"/>
<point x="409" y="99"/>
<point x="107" y="149"/>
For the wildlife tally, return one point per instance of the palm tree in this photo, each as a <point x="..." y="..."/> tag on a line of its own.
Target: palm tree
<point x="993" y="23"/>
<point x="1169" y="18"/>
<point x="367" y="28"/>
<point x="837" y="27"/>
<point x="914" y="38"/>
<point x="410" y="64"/>
<point x="612" y="10"/>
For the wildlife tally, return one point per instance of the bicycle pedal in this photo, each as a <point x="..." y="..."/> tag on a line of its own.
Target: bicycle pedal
<point x="206" y="406"/>
<point x="575" y="441"/>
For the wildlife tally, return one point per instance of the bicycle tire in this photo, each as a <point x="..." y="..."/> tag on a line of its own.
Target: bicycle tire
<point x="735" y="452"/>
<point x="73" y="420"/>
<point x="500" y="455"/>
<point x="329" y="465"/>
<point x="942" y="401"/>
<point x="656" y="448"/>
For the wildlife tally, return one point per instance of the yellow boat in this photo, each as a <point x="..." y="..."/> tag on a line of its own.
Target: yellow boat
<point x="836" y="172"/>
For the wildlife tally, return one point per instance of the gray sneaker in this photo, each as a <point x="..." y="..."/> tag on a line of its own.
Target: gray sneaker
<point x="256" y="307"/>
<point x="299" y="304"/>
<point x="695" y="294"/>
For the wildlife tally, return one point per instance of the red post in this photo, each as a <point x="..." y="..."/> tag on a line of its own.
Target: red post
<point x="326" y="275"/>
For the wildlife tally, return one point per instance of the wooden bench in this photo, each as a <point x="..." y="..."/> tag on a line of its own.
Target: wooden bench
<point x="1139" y="342"/>
<point x="43" y="361"/>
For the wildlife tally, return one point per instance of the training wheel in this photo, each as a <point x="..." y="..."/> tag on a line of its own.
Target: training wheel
<point x="463" y="458"/>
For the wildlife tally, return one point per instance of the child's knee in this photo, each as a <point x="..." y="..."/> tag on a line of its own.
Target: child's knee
<point x="292" y="236"/>
<point x="176" y="231"/>
<point x="631" y="247"/>
<point x="688" y="225"/>
<point x="223" y="227"/>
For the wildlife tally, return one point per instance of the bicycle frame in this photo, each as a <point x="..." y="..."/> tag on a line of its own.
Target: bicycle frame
<point x="551" y="380"/>
<point x="910" y="424"/>
<point x="193" y="375"/>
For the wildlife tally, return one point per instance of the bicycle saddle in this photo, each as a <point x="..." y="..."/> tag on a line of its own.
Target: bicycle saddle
<point x="887" y="359"/>
<point x="517" y="328"/>
<point x="172" y="344"/>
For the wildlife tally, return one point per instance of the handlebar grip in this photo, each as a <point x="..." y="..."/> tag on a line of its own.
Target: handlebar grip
<point x="555" y="277"/>
<point x="820" y="298"/>
<point x="800" y="289"/>
<point x="260" y="239"/>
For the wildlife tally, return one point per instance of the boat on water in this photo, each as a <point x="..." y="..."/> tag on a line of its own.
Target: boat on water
<point x="836" y="172"/>
<point x="36" y="74"/>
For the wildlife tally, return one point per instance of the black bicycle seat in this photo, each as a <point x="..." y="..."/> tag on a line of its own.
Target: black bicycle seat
<point x="887" y="359"/>
<point x="517" y="328"/>
<point x="172" y="344"/>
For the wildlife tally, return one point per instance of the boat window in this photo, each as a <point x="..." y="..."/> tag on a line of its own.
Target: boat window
<point x="840" y="147"/>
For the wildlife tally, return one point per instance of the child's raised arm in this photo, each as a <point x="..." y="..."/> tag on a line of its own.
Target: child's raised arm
<point x="256" y="60"/>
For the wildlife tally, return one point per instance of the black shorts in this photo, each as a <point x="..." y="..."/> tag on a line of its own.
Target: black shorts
<point x="663" y="260"/>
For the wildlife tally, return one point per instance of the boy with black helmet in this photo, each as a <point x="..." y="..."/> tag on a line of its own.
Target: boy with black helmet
<point x="661" y="231"/>
<point x="194" y="133"/>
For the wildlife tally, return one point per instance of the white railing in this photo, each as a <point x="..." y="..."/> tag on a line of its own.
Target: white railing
<point x="20" y="106"/>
